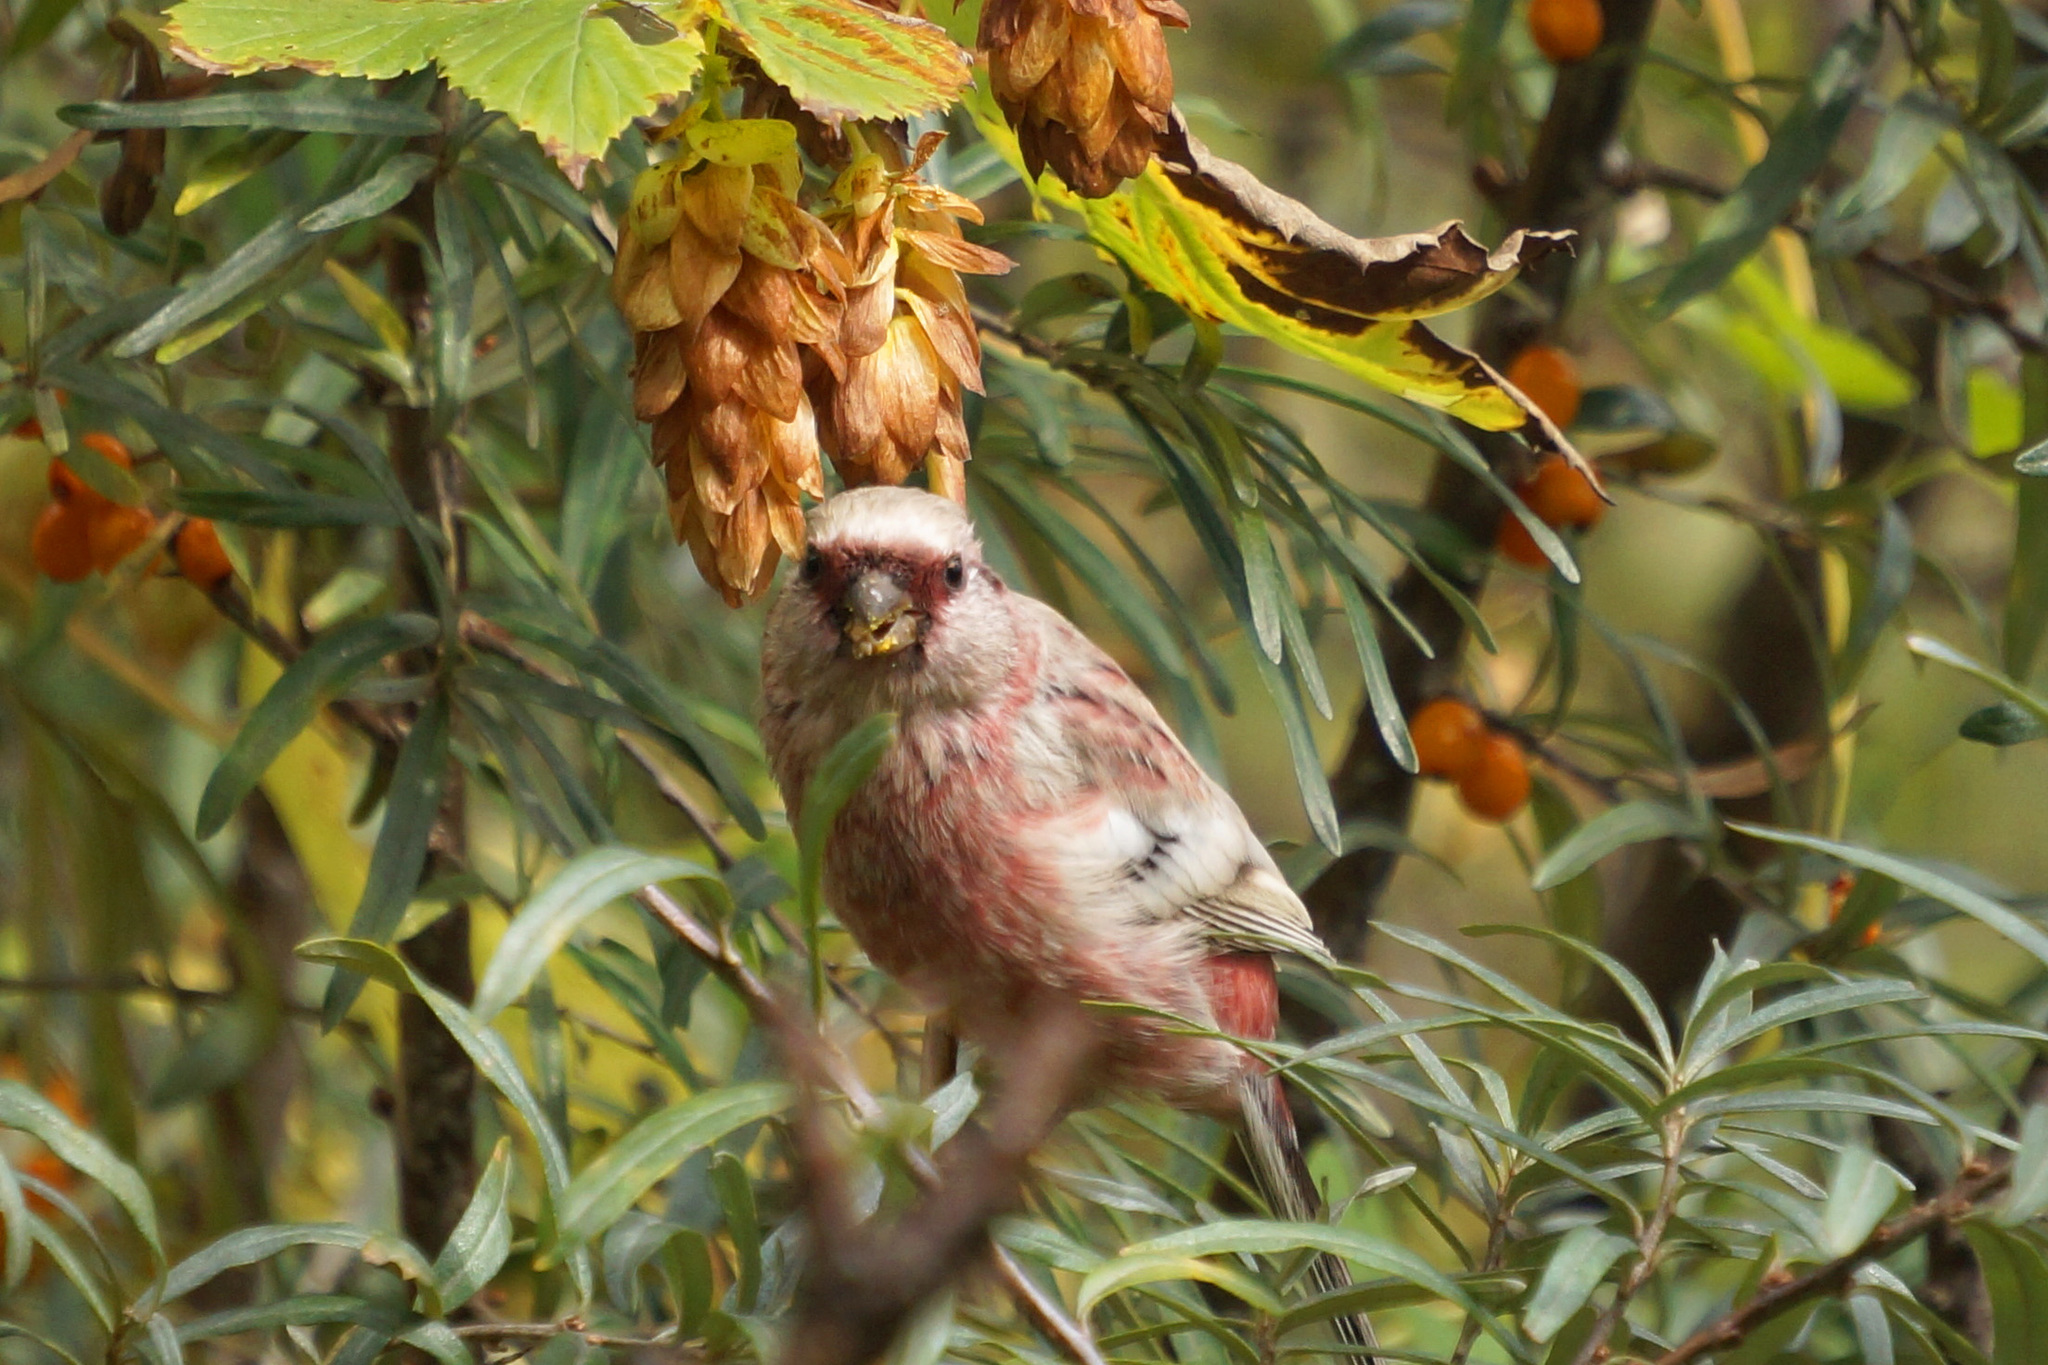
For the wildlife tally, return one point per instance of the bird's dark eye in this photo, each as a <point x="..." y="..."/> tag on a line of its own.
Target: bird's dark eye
<point x="956" y="572"/>
<point x="814" y="564"/>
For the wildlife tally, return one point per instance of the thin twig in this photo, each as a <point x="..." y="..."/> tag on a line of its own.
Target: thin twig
<point x="548" y="1331"/>
<point x="107" y="985"/>
<point x="641" y="752"/>
<point x="1649" y="1243"/>
<point x="1725" y="1332"/>
<point x="864" y="1280"/>
<point x="379" y="726"/>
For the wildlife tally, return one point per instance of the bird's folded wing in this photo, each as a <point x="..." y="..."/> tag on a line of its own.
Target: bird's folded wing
<point x="1145" y="836"/>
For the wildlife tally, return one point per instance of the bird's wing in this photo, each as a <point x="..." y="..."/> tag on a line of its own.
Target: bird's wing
<point x="1141" y="835"/>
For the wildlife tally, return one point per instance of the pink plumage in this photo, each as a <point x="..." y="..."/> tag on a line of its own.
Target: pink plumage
<point x="1036" y="826"/>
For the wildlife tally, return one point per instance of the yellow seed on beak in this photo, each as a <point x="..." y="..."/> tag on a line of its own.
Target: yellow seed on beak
<point x="873" y="639"/>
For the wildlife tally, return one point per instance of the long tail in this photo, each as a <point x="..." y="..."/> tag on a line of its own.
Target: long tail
<point x="1274" y="1148"/>
<point x="1244" y="995"/>
<point x="1276" y="1161"/>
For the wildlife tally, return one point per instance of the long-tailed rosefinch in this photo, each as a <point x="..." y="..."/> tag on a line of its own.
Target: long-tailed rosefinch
<point x="1036" y="827"/>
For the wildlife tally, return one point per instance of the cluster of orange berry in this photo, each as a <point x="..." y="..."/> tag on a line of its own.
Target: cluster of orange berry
<point x="1566" y="30"/>
<point x="1452" y="740"/>
<point x="1557" y="493"/>
<point x="83" y="531"/>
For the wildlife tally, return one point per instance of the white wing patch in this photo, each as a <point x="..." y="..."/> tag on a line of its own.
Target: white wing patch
<point x="1197" y="864"/>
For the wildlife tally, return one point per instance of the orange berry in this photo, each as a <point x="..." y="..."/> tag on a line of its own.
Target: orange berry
<point x="65" y="484"/>
<point x="1838" y="896"/>
<point x="1566" y="30"/>
<point x="1497" y="785"/>
<point x="61" y="543"/>
<point x="114" y="531"/>
<point x="1548" y="377"/>
<point x="200" y="558"/>
<point x="1562" y="496"/>
<point x="110" y="446"/>
<point x="1514" y="541"/>
<point x="1448" y="737"/>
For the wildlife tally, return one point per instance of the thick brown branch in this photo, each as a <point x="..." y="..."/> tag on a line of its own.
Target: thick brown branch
<point x="435" y="1132"/>
<point x="1830" y="1277"/>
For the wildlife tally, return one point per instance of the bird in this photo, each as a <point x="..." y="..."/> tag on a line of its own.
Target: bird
<point x="1034" y="827"/>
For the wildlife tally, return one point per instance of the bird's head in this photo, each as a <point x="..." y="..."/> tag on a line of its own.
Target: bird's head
<point x="892" y="591"/>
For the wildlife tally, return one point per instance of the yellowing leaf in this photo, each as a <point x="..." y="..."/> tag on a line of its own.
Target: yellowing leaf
<point x="1997" y="413"/>
<point x="1789" y="350"/>
<point x="560" y="68"/>
<point x="311" y="784"/>
<point x="843" y="59"/>
<point x="1205" y="232"/>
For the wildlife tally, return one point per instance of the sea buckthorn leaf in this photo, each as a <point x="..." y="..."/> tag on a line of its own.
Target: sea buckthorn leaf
<point x="478" y="1246"/>
<point x="323" y="671"/>
<point x="411" y="807"/>
<point x="842" y="59"/>
<point x="581" y="888"/>
<point x="23" y="1109"/>
<point x="613" y="1181"/>
<point x="560" y="69"/>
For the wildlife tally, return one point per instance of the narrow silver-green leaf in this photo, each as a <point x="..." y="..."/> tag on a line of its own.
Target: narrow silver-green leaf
<point x="654" y="1147"/>
<point x="1862" y="1192"/>
<point x="481" y="1241"/>
<point x="1922" y="879"/>
<point x="313" y="109"/>
<point x="1632" y="822"/>
<point x="2027" y="1195"/>
<point x="411" y="808"/>
<point x="1575" y="1269"/>
<point x="247" y="1246"/>
<point x="323" y="671"/>
<point x="18" y="1247"/>
<point x="390" y="184"/>
<point x="22" y="1108"/>
<point x="840" y="774"/>
<point x="583" y="886"/>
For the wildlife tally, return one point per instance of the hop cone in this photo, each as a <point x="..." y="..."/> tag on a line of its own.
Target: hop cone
<point x="723" y="279"/>
<point x="1085" y="83"/>
<point x="887" y="392"/>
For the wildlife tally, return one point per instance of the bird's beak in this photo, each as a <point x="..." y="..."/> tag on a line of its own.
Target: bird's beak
<point x="875" y="616"/>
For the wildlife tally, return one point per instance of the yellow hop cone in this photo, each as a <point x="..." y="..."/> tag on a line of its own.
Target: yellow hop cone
<point x="891" y="396"/>
<point x="724" y="280"/>
<point x="1086" y="83"/>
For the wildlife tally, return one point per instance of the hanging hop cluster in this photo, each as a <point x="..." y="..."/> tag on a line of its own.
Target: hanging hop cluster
<point x="761" y="328"/>
<point x="723" y="278"/>
<point x="1085" y="83"/>
<point x="888" y="392"/>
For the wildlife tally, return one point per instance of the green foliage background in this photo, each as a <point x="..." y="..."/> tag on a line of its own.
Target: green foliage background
<point x="202" y="870"/>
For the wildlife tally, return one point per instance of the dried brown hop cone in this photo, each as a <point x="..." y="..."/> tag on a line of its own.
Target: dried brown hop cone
<point x="888" y="392"/>
<point x="1085" y="83"/>
<point x="723" y="278"/>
